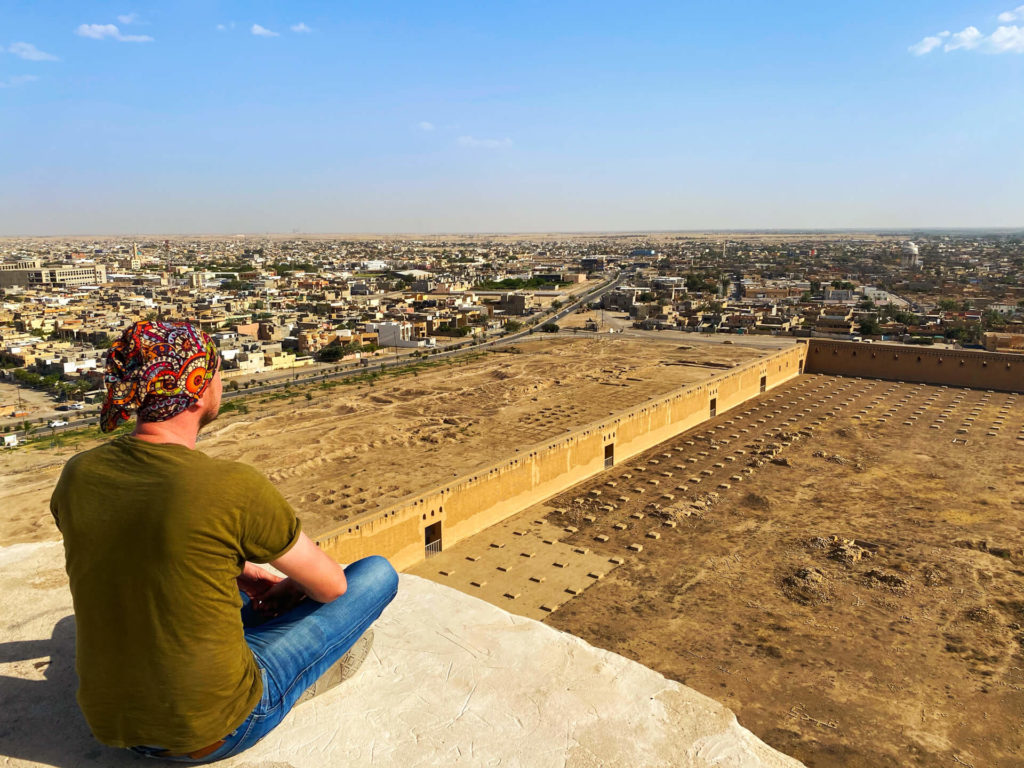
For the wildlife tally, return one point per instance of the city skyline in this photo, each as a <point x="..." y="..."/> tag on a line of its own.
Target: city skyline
<point x="133" y="118"/>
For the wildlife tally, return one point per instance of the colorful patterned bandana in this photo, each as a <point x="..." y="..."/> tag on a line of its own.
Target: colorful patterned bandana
<point x="158" y="368"/>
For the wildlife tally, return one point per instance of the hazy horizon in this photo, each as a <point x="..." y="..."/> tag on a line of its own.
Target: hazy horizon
<point x="877" y="231"/>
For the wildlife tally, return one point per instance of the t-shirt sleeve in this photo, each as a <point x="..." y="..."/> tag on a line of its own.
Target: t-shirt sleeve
<point x="269" y="526"/>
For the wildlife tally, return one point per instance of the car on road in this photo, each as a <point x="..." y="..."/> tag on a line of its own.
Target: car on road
<point x="78" y="406"/>
<point x="58" y="423"/>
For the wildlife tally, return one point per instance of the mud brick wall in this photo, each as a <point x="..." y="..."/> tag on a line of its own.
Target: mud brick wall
<point x="953" y="367"/>
<point x="533" y="473"/>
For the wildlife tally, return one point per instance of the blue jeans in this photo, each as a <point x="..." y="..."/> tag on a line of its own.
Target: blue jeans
<point x="294" y="649"/>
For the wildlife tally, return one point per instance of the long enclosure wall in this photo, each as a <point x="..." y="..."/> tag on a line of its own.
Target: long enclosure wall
<point x="472" y="503"/>
<point x="953" y="367"/>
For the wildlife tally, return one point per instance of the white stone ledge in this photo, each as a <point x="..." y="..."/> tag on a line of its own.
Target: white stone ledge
<point x="452" y="680"/>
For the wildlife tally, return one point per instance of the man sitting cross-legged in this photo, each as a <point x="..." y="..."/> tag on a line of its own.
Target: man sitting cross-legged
<point x="186" y="650"/>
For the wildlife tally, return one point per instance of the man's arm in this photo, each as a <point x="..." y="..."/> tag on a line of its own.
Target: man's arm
<point x="313" y="571"/>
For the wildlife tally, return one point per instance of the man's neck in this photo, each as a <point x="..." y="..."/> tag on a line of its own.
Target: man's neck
<point x="176" y="430"/>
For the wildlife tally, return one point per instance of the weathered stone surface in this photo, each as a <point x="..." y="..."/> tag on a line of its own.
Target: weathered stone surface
<point x="451" y="680"/>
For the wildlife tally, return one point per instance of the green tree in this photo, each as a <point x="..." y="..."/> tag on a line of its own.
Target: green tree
<point x="993" y="319"/>
<point x="549" y="328"/>
<point x="331" y="354"/>
<point x="8" y="360"/>
<point x="870" y="327"/>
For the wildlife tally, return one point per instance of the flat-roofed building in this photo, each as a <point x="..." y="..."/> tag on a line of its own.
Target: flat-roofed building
<point x="57" y="277"/>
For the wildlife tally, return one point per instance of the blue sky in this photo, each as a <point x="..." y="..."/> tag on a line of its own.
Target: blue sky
<point x="225" y="117"/>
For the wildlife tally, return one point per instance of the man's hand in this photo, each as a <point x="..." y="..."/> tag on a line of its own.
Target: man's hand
<point x="256" y="581"/>
<point x="280" y="598"/>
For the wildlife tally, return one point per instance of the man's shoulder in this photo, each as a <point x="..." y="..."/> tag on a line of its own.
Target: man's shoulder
<point x="228" y="466"/>
<point x="91" y="456"/>
<point x="230" y="471"/>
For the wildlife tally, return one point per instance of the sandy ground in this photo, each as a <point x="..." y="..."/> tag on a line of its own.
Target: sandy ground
<point x="353" y="449"/>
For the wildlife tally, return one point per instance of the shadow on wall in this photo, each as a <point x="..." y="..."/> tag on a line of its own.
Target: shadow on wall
<point x="39" y="719"/>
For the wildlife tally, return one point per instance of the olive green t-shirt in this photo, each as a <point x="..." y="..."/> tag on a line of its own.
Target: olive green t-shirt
<point x="154" y="536"/>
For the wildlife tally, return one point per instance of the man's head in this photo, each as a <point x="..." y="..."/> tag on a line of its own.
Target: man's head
<point x="160" y="369"/>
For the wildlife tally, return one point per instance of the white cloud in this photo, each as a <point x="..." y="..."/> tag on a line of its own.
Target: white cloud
<point x="1017" y="14"/>
<point x="1008" y="39"/>
<point x="425" y="125"/>
<point x="259" y="31"/>
<point x="300" y="27"/>
<point x="926" y="45"/>
<point x="15" y="80"/>
<point x="29" y="52"/>
<point x="128" y="18"/>
<point x="103" y="31"/>
<point x="968" y="39"/>
<point x="472" y="141"/>
<point x="221" y="27"/>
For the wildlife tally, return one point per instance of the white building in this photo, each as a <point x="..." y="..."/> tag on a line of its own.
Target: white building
<point x="397" y="334"/>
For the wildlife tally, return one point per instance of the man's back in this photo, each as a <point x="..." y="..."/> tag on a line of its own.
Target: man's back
<point x="155" y="535"/>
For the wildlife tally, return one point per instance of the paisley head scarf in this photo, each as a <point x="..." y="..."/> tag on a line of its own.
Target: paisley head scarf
<point x="159" y="369"/>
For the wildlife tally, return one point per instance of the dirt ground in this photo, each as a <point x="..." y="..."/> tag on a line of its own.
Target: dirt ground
<point x="22" y="400"/>
<point x="835" y="564"/>
<point x="353" y="449"/>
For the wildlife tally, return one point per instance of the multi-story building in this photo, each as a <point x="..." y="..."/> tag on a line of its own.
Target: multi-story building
<point x="58" y="277"/>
